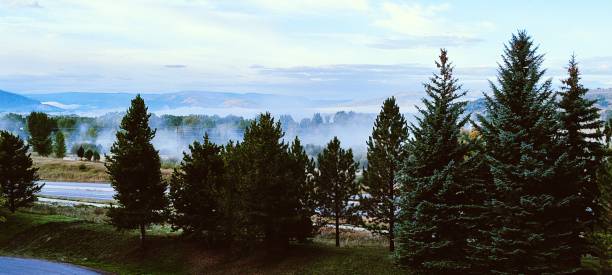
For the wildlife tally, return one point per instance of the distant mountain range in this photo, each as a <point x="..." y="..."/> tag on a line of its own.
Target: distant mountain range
<point x="221" y="103"/>
<point x="10" y="102"/>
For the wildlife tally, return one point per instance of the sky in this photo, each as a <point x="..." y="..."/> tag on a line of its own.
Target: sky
<point x="328" y="49"/>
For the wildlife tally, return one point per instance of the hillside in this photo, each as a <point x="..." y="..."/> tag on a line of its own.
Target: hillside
<point x="11" y="102"/>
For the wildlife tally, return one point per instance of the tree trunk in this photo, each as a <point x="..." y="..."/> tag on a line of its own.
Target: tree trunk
<point x="392" y="213"/>
<point x="12" y="205"/>
<point x="142" y="235"/>
<point x="337" y="230"/>
<point x="391" y="235"/>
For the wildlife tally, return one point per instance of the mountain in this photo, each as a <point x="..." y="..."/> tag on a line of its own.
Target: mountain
<point x="183" y="102"/>
<point x="11" y="102"/>
<point x="242" y="104"/>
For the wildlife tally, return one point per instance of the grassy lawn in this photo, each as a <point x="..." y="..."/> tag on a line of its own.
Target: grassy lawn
<point x="79" y="235"/>
<point x="54" y="169"/>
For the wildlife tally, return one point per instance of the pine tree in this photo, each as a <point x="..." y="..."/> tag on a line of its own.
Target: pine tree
<point x="302" y="169"/>
<point x="269" y="196"/>
<point x="134" y="169"/>
<point x="59" y="147"/>
<point x="335" y="183"/>
<point x="17" y="175"/>
<point x="232" y="205"/>
<point x="385" y="154"/>
<point x="89" y="155"/>
<point x="519" y="132"/>
<point x="96" y="156"/>
<point x="195" y="190"/>
<point x="441" y="203"/>
<point x="40" y="127"/>
<point x="81" y="152"/>
<point x="577" y="188"/>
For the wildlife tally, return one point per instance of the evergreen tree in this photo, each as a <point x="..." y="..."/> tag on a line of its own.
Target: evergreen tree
<point x="134" y="169"/>
<point x="195" y="190"/>
<point x="384" y="157"/>
<point x="89" y="155"/>
<point x="232" y="205"/>
<point x="335" y="183"/>
<point x="17" y="174"/>
<point x="302" y="169"/>
<point x="96" y="156"/>
<point x="577" y="188"/>
<point x="601" y="235"/>
<point x="2" y="203"/>
<point x="40" y="127"/>
<point x="270" y="198"/>
<point x="81" y="152"/>
<point x="59" y="147"/>
<point x="519" y="132"/>
<point x="441" y="204"/>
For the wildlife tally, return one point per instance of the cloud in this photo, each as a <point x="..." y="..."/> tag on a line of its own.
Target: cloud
<point x="427" y="22"/>
<point x="411" y="42"/>
<point x="311" y="6"/>
<point x="20" y="4"/>
<point x="175" y="66"/>
<point x="369" y="79"/>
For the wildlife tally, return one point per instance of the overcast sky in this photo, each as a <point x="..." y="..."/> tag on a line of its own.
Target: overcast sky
<point x="320" y="48"/>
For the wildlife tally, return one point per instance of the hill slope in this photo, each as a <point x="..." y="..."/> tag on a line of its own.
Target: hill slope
<point x="11" y="102"/>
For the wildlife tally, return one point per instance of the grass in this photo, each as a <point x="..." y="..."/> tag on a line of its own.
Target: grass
<point x="80" y="235"/>
<point x="53" y="169"/>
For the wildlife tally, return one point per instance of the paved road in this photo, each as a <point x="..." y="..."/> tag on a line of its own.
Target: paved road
<point x="78" y="190"/>
<point x="10" y="265"/>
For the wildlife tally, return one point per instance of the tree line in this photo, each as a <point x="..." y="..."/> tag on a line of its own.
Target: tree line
<point x="525" y="191"/>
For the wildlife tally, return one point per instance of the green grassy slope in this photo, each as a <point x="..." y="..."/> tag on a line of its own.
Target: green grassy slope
<point x="73" y="237"/>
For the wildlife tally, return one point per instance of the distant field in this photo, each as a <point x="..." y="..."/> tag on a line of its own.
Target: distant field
<point x="53" y="169"/>
<point x="79" y="235"/>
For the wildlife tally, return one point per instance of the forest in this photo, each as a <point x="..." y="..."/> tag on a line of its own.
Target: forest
<point x="521" y="188"/>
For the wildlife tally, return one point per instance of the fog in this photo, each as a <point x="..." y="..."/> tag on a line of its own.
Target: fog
<point x="174" y="133"/>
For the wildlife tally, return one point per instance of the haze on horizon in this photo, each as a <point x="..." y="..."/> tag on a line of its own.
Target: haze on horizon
<point x="349" y="49"/>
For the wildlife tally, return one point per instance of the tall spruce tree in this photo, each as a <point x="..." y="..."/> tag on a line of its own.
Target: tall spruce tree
<point x="134" y="169"/>
<point x="195" y="191"/>
<point x="442" y="205"/>
<point x="519" y="132"/>
<point x="59" y="146"/>
<point x="577" y="188"/>
<point x="270" y="198"/>
<point x="601" y="235"/>
<point x="40" y="127"/>
<point x="17" y="174"/>
<point x="335" y="183"/>
<point x="385" y="154"/>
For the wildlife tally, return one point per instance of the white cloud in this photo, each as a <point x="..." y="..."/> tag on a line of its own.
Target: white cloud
<point x="20" y="4"/>
<point x="310" y="6"/>
<point x="426" y="20"/>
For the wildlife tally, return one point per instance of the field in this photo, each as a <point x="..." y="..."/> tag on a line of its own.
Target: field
<point x="53" y="169"/>
<point x="80" y="235"/>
